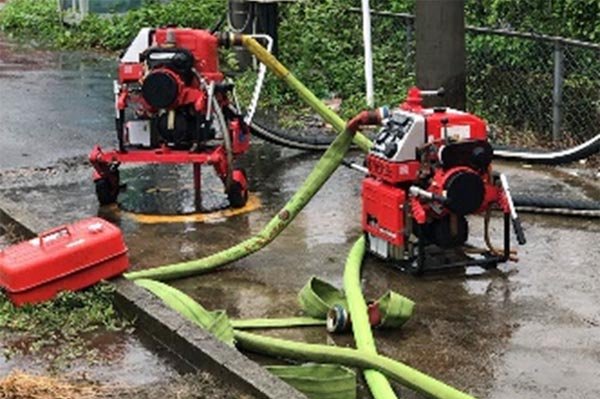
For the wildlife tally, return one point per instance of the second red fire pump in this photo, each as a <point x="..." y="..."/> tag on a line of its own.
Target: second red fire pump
<point x="173" y="105"/>
<point x="428" y="169"/>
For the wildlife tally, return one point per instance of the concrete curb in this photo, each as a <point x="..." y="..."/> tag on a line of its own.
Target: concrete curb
<point x="12" y="212"/>
<point x="196" y="347"/>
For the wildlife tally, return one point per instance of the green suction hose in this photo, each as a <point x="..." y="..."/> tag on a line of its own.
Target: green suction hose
<point x="361" y="328"/>
<point x="348" y="357"/>
<point x="319" y="175"/>
<point x="247" y="324"/>
<point x="402" y="373"/>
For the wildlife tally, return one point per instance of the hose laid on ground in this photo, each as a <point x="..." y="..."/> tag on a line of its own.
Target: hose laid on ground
<point x="216" y="323"/>
<point x="573" y="154"/>
<point x="205" y="319"/>
<point x="247" y="324"/>
<point x="361" y="328"/>
<point x="324" y="168"/>
<point x="556" y="205"/>
<point x="319" y="381"/>
<point x="320" y="143"/>
<point x="400" y="372"/>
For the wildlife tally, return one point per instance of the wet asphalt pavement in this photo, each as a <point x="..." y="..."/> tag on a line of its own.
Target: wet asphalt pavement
<point x="527" y="330"/>
<point x="53" y="105"/>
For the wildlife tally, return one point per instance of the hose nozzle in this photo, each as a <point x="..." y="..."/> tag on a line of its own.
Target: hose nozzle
<point x="365" y="118"/>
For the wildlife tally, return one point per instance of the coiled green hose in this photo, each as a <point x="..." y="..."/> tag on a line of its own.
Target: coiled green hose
<point x="205" y="319"/>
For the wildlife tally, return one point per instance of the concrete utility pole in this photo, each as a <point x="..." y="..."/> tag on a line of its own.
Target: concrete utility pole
<point x="440" y="58"/>
<point x="254" y="16"/>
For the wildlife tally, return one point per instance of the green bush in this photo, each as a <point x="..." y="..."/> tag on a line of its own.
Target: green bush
<point x="41" y="19"/>
<point x="321" y="42"/>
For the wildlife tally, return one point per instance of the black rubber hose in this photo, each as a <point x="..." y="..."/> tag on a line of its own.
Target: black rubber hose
<point x="556" y="205"/>
<point x="573" y="154"/>
<point x="298" y="142"/>
<point x="524" y="203"/>
<point x="320" y="143"/>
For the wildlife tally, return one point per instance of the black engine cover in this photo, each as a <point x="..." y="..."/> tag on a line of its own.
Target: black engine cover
<point x="475" y="154"/>
<point x="160" y="90"/>
<point x="178" y="60"/>
<point x="451" y="231"/>
<point x="186" y="128"/>
<point x="465" y="192"/>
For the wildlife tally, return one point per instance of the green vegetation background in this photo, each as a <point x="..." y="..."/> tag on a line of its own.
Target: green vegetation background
<point x="321" y="42"/>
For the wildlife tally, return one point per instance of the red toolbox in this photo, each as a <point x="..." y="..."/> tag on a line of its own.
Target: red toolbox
<point x="66" y="258"/>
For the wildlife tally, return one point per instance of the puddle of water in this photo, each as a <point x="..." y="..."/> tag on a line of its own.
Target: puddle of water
<point x="467" y="330"/>
<point x="60" y="104"/>
<point x="169" y="190"/>
<point x="112" y="352"/>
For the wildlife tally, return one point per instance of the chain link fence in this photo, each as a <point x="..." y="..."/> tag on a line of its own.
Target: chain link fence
<point x="532" y="89"/>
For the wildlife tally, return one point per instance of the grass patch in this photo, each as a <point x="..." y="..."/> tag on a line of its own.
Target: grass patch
<point x="56" y="330"/>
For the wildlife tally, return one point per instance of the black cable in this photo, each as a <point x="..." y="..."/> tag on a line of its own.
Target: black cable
<point x="523" y="203"/>
<point x="298" y="142"/>
<point x="320" y="143"/>
<point x="556" y="205"/>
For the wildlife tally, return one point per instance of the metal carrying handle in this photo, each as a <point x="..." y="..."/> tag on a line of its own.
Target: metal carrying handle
<point x="516" y="222"/>
<point x="438" y="92"/>
<point x="48" y="233"/>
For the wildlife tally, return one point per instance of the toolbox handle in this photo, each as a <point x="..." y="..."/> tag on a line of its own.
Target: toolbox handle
<point x="51" y="232"/>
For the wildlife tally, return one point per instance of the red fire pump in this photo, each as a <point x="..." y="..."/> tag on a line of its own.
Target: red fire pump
<point x="173" y="106"/>
<point x="430" y="168"/>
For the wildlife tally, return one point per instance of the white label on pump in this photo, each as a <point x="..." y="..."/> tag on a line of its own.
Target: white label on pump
<point x="138" y="132"/>
<point x="458" y="132"/>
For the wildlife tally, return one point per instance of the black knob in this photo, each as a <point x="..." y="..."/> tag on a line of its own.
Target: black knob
<point x="390" y="150"/>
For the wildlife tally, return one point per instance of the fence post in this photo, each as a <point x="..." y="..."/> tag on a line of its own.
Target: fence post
<point x="557" y="90"/>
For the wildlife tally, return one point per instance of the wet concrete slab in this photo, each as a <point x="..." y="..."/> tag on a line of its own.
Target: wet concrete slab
<point x="530" y="328"/>
<point x="53" y="104"/>
<point x="526" y="330"/>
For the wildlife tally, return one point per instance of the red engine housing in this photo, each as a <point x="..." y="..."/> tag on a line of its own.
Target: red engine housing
<point x="173" y="106"/>
<point x="427" y="170"/>
<point x="201" y="43"/>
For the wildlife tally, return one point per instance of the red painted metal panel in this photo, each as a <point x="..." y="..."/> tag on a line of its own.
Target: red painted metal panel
<point x="69" y="257"/>
<point x="383" y="210"/>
